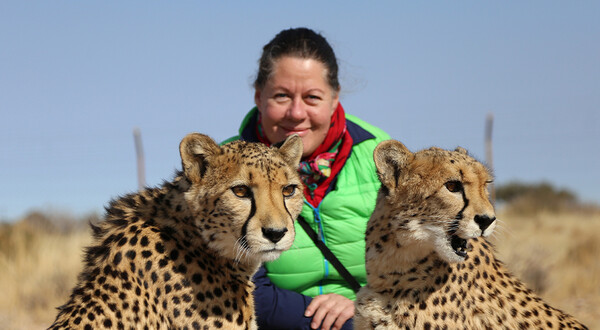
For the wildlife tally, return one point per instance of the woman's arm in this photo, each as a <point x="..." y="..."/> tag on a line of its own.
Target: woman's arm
<point x="278" y="308"/>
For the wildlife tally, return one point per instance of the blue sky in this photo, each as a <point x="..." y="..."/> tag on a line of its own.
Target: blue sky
<point x="76" y="77"/>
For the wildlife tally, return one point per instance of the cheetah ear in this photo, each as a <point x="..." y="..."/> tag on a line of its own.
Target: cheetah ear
<point x="194" y="149"/>
<point x="291" y="150"/>
<point x="391" y="157"/>
<point x="461" y="150"/>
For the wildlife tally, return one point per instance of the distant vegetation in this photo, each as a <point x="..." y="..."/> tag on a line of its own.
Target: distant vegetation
<point x="531" y="198"/>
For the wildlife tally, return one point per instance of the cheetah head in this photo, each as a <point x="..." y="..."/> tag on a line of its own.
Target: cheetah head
<point x="244" y="197"/>
<point x="434" y="198"/>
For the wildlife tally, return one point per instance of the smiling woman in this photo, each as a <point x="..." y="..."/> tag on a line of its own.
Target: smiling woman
<point x="297" y="100"/>
<point x="297" y="92"/>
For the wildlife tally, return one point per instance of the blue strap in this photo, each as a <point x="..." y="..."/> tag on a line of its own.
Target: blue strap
<point x="321" y="237"/>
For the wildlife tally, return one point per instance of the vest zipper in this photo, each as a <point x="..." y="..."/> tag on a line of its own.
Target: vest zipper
<point x="321" y="235"/>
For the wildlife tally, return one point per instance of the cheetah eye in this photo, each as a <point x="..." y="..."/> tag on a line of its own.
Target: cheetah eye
<point x="241" y="191"/>
<point x="289" y="191"/>
<point x="454" y="186"/>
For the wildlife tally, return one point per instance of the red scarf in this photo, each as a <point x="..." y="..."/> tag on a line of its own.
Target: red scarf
<point x="337" y="131"/>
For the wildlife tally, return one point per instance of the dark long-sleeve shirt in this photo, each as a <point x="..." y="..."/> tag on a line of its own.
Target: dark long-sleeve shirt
<point x="278" y="308"/>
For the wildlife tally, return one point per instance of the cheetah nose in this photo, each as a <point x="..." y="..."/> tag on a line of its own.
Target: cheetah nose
<point x="274" y="235"/>
<point x="484" y="221"/>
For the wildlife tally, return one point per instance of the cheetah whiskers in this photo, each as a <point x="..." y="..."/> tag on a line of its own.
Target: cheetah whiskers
<point x="242" y="249"/>
<point x="501" y="230"/>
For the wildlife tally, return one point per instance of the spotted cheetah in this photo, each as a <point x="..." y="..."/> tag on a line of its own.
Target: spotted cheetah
<point x="182" y="255"/>
<point x="428" y="263"/>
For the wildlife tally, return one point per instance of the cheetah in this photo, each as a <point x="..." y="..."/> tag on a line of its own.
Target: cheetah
<point x="428" y="263"/>
<point x="182" y="255"/>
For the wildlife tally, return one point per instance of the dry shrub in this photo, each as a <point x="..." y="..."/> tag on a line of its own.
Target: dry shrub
<point x="522" y="198"/>
<point x="39" y="263"/>
<point x="556" y="255"/>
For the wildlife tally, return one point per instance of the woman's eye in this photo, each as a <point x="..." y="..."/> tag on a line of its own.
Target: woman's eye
<point x="311" y="99"/>
<point x="289" y="191"/>
<point x="280" y="96"/>
<point x="454" y="186"/>
<point x="241" y="191"/>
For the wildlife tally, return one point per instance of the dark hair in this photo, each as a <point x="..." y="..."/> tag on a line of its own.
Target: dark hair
<point x="297" y="42"/>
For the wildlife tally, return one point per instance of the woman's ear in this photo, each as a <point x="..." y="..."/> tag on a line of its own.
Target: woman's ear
<point x="257" y="94"/>
<point x="336" y="101"/>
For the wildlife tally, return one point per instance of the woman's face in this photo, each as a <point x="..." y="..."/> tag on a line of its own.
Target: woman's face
<point x="297" y="99"/>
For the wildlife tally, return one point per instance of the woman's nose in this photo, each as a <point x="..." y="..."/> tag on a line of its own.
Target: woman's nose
<point x="297" y="109"/>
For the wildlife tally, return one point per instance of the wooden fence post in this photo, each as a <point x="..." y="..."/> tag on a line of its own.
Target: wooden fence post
<point x="139" y="152"/>
<point x="488" y="152"/>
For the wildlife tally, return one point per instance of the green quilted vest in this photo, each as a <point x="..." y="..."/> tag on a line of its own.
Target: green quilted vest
<point x="340" y="219"/>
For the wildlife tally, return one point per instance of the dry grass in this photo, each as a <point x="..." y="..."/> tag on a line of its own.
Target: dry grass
<point x="38" y="267"/>
<point x="558" y="256"/>
<point x="555" y="254"/>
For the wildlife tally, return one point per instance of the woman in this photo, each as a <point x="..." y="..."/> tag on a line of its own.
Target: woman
<point x="297" y="92"/>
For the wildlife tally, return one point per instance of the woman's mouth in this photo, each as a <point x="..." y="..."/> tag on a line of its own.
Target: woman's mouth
<point x="290" y="131"/>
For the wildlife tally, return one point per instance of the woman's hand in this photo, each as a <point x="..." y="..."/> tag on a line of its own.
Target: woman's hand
<point x="330" y="311"/>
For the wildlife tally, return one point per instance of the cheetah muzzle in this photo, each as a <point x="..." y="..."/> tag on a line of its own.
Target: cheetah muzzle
<point x="182" y="255"/>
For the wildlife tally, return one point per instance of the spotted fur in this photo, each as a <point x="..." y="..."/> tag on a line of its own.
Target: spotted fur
<point x="181" y="256"/>
<point x="428" y="263"/>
